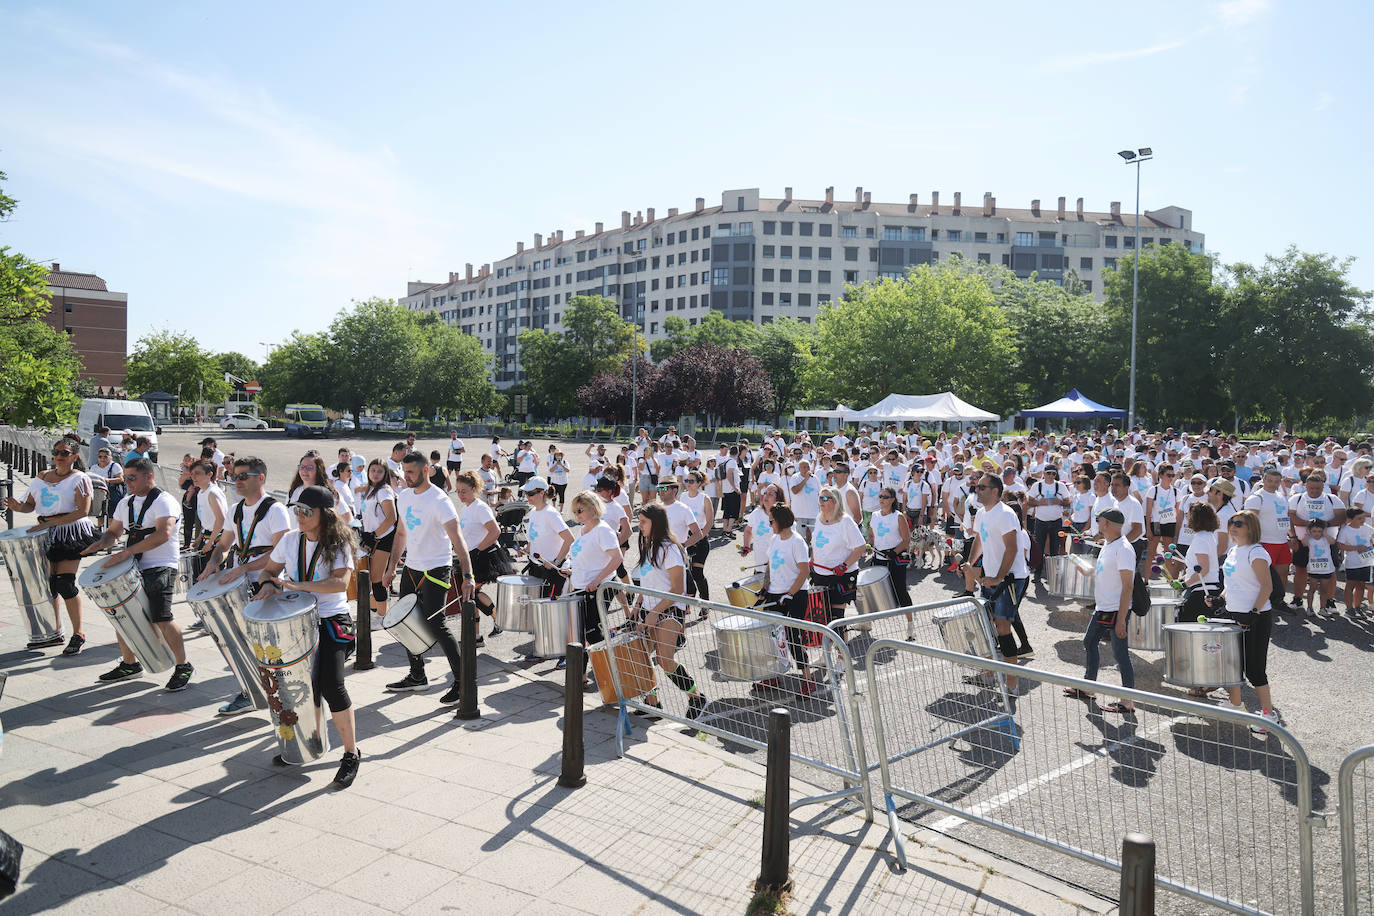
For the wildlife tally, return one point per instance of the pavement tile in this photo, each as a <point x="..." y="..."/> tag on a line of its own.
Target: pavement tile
<point x="449" y="802"/>
<point x="185" y="874"/>
<point x="140" y="849"/>
<point x="610" y="893"/>
<point x="254" y="887"/>
<point x="530" y="869"/>
<point x="78" y="830"/>
<point x="267" y="839"/>
<point x="393" y="881"/>
<point x="48" y="884"/>
<point x="391" y="827"/>
<point x="328" y="858"/>
<point x="453" y="846"/>
<point x="1002" y="895"/>
<point x="468" y="894"/>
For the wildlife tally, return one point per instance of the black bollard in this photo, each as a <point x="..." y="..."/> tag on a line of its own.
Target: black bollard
<point x="573" y="773"/>
<point x="467" y="698"/>
<point x="362" y="661"/>
<point x="1137" y="875"/>
<point x="776" y="841"/>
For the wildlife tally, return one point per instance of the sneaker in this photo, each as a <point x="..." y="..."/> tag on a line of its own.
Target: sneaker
<point x="807" y="687"/>
<point x="769" y="683"/>
<point x="1025" y="652"/>
<point x="451" y="697"/>
<point x="238" y="704"/>
<point x="121" y="672"/>
<point x="495" y="631"/>
<point x="1269" y="716"/>
<point x="704" y="614"/>
<point x="181" y="676"/>
<point x="74" y="645"/>
<point x="198" y="625"/>
<point x="348" y="769"/>
<point x="561" y="664"/>
<point x="695" y="704"/>
<point x="409" y="682"/>
<point x="55" y="640"/>
<point x="480" y="641"/>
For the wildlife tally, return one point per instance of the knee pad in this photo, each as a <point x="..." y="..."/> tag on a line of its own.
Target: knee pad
<point x="1007" y="646"/>
<point x="63" y="584"/>
<point x="52" y="584"/>
<point x="378" y="591"/>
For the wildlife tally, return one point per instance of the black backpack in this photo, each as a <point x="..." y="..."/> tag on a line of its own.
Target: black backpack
<point x="1140" y="595"/>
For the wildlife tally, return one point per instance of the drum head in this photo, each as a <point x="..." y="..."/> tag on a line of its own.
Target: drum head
<point x="211" y="589"/>
<point x="19" y="534"/>
<point x="98" y="573"/>
<point x="872" y="574"/>
<point x="275" y="608"/>
<point x="398" y="611"/>
<point x="740" y="622"/>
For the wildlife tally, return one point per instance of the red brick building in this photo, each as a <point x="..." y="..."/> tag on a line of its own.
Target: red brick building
<point x="96" y="319"/>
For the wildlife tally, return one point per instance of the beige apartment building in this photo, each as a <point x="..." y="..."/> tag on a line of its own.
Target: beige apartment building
<point x="758" y="258"/>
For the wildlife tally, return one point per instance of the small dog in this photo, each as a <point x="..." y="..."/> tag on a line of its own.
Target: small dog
<point x="927" y="547"/>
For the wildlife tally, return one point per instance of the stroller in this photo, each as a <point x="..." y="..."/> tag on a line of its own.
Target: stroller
<point x="511" y="519"/>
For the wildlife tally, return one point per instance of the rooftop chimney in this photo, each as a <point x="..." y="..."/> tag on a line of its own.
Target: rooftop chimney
<point x="649" y="215"/>
<point x="452" y="276"/>
<point x="701" y="204"/>
<point x="469" y="272"/>
<point x="672" y="211"/>
<point x="911" y="203"/>
<point x="600" y="228"/>
<point x="581" y="233"/>
<point x="868" y="198"/>
<point x="1080" y="208"/>
<point x="830" y="196"/>
<point x="1061" y="208"/>
<point x="486" y="272"/>
<point x="56" y="266"/>
<point x="859" y="194"/>
<point x="639" y="218"/>
<point x="934" y="202"/>
<point x="558" y="237"/>
<point x="958" y="197"/>
<point x="519" y="247"/>
<point x="624" y="219"/>
<point x="787" y="194"/>
<point x="538" y="241"/>
<point x="1035" y="207"/>
<point x="987" y="203"/>
<point x="1116" y="209"/>
<point x="994" y="206"/>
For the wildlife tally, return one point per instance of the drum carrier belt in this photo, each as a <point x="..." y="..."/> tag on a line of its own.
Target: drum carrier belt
<point x="136" y="530"/>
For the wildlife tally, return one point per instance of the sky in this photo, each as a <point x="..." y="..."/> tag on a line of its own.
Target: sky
<point x="246" y="170"/>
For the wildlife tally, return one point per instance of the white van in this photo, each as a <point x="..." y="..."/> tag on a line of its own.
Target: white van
<point x="118" y="416"/>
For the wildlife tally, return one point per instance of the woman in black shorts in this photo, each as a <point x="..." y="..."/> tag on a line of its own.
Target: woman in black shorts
<point x="663" y="567"/>
<point x="378" y="511"/>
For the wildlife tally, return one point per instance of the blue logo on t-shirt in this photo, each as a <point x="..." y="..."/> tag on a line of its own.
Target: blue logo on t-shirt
<point x="880" y="529"/>
<point x="534" y="533"/>
<point x="47" y="498"/>
<point x="761" y="528"/>
<point x="576" y="548"/>
<point x="821" y="540"/>
<point x="413" y="521"/>
<point x="777" y="561"/>
<point x="809" y="487"/>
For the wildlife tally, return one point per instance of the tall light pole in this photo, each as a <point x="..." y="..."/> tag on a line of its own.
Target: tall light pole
<point x="1135" y="157"/>
<point x="634" y="349"/>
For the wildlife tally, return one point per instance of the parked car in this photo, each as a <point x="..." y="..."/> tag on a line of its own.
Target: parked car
<point x="370" y="423"/>
<point x="343" y="424"/>
<point x="394" y="425"/>
<point x="241" y="421"/>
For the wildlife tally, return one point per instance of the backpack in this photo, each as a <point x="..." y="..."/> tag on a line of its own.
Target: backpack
<point x="1140" y="595"/>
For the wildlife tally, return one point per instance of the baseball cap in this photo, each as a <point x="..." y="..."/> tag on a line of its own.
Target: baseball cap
<point x="316" y="497"/>
<point x="1112" y="515"/>
<point x="1225" y="486"/>
<point x="535" y="483"/>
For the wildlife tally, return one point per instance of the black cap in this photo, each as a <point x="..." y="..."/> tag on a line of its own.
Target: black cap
<point x="1112" y="515"/>
<point x="207" y="441"/>
<point x="316" y="497"/>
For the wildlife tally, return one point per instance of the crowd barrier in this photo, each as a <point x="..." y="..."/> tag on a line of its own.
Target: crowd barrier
<point x="1354" y="783"/>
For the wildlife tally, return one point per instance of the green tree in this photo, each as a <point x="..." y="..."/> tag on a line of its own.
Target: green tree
<point x="40" y="369"/>
<point x="1180" y="344"/>
<point x="299" y="372"/>
<point x="376" y="356"/>
<point x="595" y="340"/>
<point x="784" y="349"/>
<point x="713" y="330"/>
<point x="174" y="362"/>
<point x="1300" y="342"/>
<point x="592" y="325"/>
<point x="937" y="329"/>
<point x="452" y="376"/>
<point x="236" y="363"/>
<point x="1063" y="340"/>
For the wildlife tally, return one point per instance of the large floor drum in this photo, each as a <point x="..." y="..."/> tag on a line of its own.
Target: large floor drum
<point x="285" y="634"/>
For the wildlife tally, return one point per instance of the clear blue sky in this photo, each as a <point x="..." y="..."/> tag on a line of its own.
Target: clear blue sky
<point x="243" y="170"/>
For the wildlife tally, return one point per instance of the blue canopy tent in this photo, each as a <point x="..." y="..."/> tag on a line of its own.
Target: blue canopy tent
<point x="1073" y="404"/>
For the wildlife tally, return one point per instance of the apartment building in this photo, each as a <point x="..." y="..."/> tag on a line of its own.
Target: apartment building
<point x="758" y="259"/>
<point x="96" y="319"/>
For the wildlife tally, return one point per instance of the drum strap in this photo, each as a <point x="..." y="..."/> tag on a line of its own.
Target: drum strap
<point x="305" y="572"/>
<point x="442" y="584"/>
<point x="243" y="550"/>
<point x="136" y="530"/>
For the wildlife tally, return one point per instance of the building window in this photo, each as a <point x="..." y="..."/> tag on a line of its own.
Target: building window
<point x="804" y="252"/>
<point x="1128" y="242"/>
<point x="787" y="251"/>
<point x="1006" y="260"/>
<point x="784" y="276"/>
<point x="67" y="307"/>
<point x="721" y="276"/>
<point x="739" y="203"/>
<point x="851" y="254"/>
<point x="826" y="229"/>
<point x="694" y="235"/>
<point x="803" y="276"/>
<point x="804" y="300"/>
<point x="784" y="299"/>
<point x="873" y="255"/>
<point x="581" y="257"/>
<point x="915" y="233"/>
<point x="785" y="228"/>
<point x="984" y="258"/>
<point x="1088" y="285"/>
<point x="768" y="251"/>
<point x="822" y="276"/>
<point x="1109" y="262"/>
<point x="804" y="228"/>
<point x="1109" y="241"/>
<point x="744" y="276"/>
<point x="892" y="233"/>
<point x="768" y="275"/>
<point x="825" y="254"/>
<point x="980" y="236"/>
<point x="769" y="226"/>
<point x="954" y="235"/>
<point x="851" y="276"/>
<point x="1085" y="263"/>
<point x="766" y="298"/>
<point x="848" y="232"/>
<point x="1025" y="238"/>
<point x="1146" y="242"/>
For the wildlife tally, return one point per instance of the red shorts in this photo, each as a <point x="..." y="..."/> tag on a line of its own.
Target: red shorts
<point x="1279" y="554"/>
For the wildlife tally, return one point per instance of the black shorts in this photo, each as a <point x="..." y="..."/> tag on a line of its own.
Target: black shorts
<point x="160" y="585"/>
<point x="454" y="465"/>
<point x="1360" y="574"/>
<point x="1320" y="577"/>
<point x="1164" y="529"/>
<point x="729" y="506"/>
<point x="69" y="548"/>
<point x="384" y="545"/>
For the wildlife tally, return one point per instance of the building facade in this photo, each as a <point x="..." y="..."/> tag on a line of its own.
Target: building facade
<point x="96" y="319"/>
<point x="758" y="259"/>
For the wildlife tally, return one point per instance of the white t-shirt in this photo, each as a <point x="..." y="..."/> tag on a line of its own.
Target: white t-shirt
<point x="728" y="471"/>
<point x="1081" y="506"/>
<point x="472" y="522"/>
<point x="343" y="497"/>
<point x="1165" y="505"/>
<point x="992" y="524"/>
<point x="1306" y="508"/>
<point x="424" y="516"/>
<point x="168" y="553"/>
<point x="277" y="520"/>
<point x="558" y="472"/>
<point x="206" y="500"/>
<point x="761" y="529"/>
<point x="590" y="553"/>
<point x="1242" y="586"/>
<point x="60" y="498"/>
<point x="546" y="528"/>
<point x="1319" y="558"/>
<point x="1115" y="557"/>
<point x="681" y="518"/>
<point x="785" y="556"/>
<point x="287" y="553"/>
<point x="887" y="531"/>
<point x="490" y="478"/>
<point x="455" y="450"/>
<point x="1361" y="537"/>
<point x="1134" y="510"/>
<point x="611" y="516"/>
<point x="868" y="491"/>
<point x="1203" y="543"/>
<point x="1272" y="509"/>
<point x="1054" y="491"/>
<point x="658" y="574"/>
<point x="806" y="501"/>
<point x="833" y="543"/>
<point x="529" y="461"/>
<point x="373" y="514"/>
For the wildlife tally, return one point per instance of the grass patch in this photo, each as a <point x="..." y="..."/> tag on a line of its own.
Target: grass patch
<point x="769" y="902"/>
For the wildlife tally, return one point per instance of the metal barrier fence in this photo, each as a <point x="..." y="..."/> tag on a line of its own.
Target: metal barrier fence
<point x="1232" y="812"/>
<point x="1357" y="875"/>
<point x="741" y="667"/>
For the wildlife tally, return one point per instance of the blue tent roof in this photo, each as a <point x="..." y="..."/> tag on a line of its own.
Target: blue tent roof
<point x="1074" y="404"/>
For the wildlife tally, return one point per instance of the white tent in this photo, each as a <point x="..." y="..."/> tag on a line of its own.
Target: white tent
<point x="801" y="419"/>
<point x="922" y="408"/>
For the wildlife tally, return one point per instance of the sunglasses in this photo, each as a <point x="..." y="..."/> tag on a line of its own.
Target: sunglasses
<point x="243" y="476"/>
<point x="61" y="453"/>
<point x="827" y="499"/>
<point x="881" y="496"/>
<point x="577" y="510"/>
<point x="303" y="511"/>
<point x="1235" y="523"/>
<point x="305" y="467"/>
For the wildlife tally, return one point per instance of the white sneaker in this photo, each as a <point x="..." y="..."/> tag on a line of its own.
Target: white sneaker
<point x="1270" y="716"/>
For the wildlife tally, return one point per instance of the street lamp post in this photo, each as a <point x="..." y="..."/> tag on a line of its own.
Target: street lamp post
<point x="1136" y="158"/>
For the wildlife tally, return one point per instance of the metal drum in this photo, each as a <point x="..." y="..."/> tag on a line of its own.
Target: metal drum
<point x="186" y="573"/>
<point x="118" y="591"/>
<point x="556" y="622"/>
<point x="751" y="649"/>
<point x="1202" y="654"/>
<point x="285" y="633"/>
<point x="1163" y="591"/>
<point x="220" y="608"/>
<point x="874" y="592"/>
<point x="1145" y="632"/>
<point x="746" y="592"/>
<point x="513" y="597"/>
<point x="402" y="623"/>
<point x="1071" y="576"/>
<point x="26" y="559"/>
<point x="632" y="666"/>
<point x="965" y="628"/>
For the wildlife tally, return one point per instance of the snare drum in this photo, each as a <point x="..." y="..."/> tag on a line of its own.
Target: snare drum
<point x="186" y="573"/>
<point x="26" y="561"/>
<point x="746" y="592"/>
<point x="404" y="625"/>
<point x="118" y="591"/>
<point x="220" y="608"/>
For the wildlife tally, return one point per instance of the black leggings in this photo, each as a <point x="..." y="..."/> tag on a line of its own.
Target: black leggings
<point x="431" y="597"/>
<point x="698" y="553"/>
<point x="793" y="606"/>
<point x="898" y="574"/>
<point x="327" y="671"/>
<point x="551" y="577"/>
<point x="1254" y="640"/>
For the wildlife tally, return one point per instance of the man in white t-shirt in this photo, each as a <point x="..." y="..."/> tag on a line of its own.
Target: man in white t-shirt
<point x="398" y="452"/>
<point x="454" y="461"/>
<point x="1004" y="575"/>
<point x="1048" y="500"/>
<point x="427" y="534"/>
<point x="152" y="519"/>
<point x="805" y="489"/>
<point x="1112" y="591"/>
<point x="1133" y="529"/>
